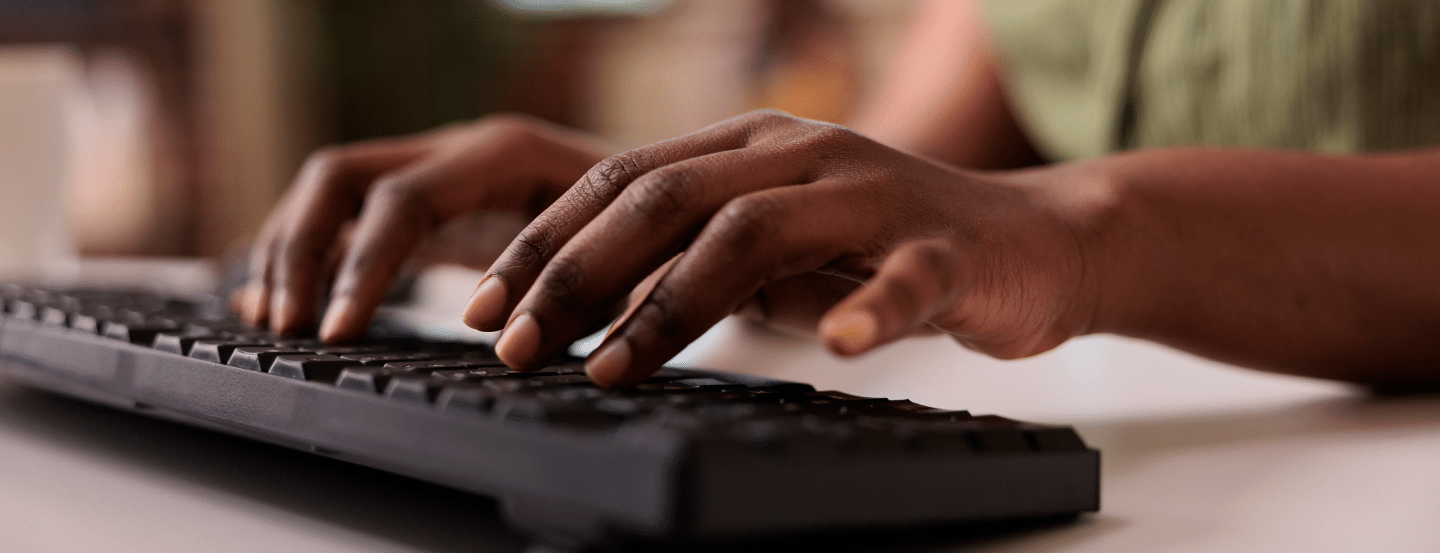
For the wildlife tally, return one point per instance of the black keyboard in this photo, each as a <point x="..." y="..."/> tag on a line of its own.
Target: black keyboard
<point x="686" y="455"/>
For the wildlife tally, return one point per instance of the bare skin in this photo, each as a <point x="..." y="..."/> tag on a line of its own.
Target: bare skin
<point x="364" y="207"/>
<point x="1290" y="262"/>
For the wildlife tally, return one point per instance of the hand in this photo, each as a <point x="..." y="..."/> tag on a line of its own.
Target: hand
<point x="765" y="199"/>
<point x="395" y="192"/>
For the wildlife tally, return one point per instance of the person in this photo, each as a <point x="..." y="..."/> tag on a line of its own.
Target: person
<point x="1236" y="187"/>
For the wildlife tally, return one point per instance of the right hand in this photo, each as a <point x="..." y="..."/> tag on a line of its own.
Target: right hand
<point x="395" y="192"/>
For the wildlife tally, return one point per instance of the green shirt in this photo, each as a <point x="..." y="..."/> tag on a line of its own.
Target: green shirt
<point x="1089" y="77"/>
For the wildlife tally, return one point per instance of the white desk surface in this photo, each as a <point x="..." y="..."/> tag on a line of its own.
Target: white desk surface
<point x="1197" y="457"/>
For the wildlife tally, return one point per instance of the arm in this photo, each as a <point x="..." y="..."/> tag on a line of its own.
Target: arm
<point x="1325" y="266"/>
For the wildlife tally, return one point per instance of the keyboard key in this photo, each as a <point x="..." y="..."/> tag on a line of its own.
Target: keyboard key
<point x="472" y="374"/>
<point x="258" y="358"/>
<point x="348" y="349"/>
<point x="86" y="322"/>
<point x="311" y="367"/>
<point x="558" y="380"/>
<point x="248" y="334"/>
<point x="411" y="387"/>
<point x="482" y="357"/>
<point x="175" y="342"/>
<point x="372" y="380"/>
<point x="24" y="309"/>
<point x="218" y="351"/>
<point x="136" y="332"/>
<point x="537" y="410"/>
<point x="10" y="291"/>
<point x="428" y="366"/>
<point x="380" y="359"/>
<point x="708" y="384"/>
<point x="213" y="327"/>
<point x="55" y="316"/>
<point x="465" y="398"/>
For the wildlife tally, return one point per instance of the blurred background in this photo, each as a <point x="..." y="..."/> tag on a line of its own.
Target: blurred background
<point x="170" y="127"/>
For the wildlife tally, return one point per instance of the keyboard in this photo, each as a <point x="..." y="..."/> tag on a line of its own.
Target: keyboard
<point x="685" y="456"/>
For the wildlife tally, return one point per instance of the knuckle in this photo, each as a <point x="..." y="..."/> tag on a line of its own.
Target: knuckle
<point x="610" y="175"/>
<point x="327" y="160"/>
<point x="830" y="135"/>
<point x="358" y="267"/>
<point x="563" y="283"/>
<point x="902" y="293"/>
<point x="300" y="247"/>
<point x="261" y="258"/>
<point x="506" y="127"/>
<point x="767" y="117"/>
<point x="750" y="219"/>
<point x="663" y="193"/>
<point x="407" y="196"/>
<point x="531" y="247"/>
<point x="760" y="124"/>
<point x="832" y="145"/>
<point x="661" y="314"/>
<point x="934" y="258"/>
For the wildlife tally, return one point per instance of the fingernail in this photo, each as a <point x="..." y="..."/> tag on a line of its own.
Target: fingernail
<point x="487" y="304"/>
<point x="341" y="310"/>
<point x="852" y="332"/>
<point x="607" y="366"/>
<point x="519" y="342"/>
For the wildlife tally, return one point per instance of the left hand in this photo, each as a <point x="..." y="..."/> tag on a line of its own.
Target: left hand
<point x="767" y="201"/>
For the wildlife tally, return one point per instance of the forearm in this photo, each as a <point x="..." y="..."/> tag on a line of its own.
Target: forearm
<point x="1292" y="262"/>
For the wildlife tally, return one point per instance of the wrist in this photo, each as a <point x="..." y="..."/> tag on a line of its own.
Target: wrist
<point x="1090" y="199"/>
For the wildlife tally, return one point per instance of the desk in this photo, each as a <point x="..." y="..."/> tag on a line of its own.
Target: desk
<point x="1197" y="456"/>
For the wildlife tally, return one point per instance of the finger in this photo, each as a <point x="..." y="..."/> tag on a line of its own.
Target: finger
<point x="253" y="300"/>
<point x="344" y="238"/>
<point x="642" y="291"/>
<point x="399" y="210"/>
<point x="649" y="221"/>
<point x="326" y="193"/>
<point x="521" y="263"/>
<point x="755" y="239"/>
<point x="918" y="281"/>
<point x="503" y="163"/>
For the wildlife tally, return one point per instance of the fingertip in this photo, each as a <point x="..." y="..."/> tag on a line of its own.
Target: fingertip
<point x="282" y="312"/>
<point x="339" y="321"/>
<point x="256" y="303"/>
<point x="520" y="342"/>
<point x="239" y="299"/>
<point x="486" y="307"/>
<point x="607" y="367"/>
<point x="851" y="332"/>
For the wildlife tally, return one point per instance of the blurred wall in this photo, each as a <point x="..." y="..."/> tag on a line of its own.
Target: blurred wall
<point x="217" y="102"/>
